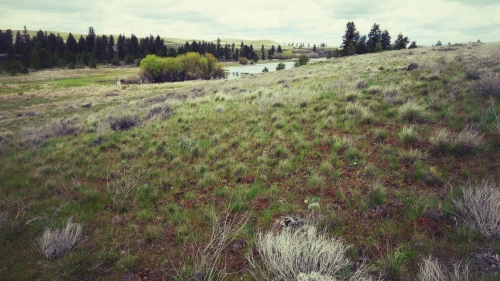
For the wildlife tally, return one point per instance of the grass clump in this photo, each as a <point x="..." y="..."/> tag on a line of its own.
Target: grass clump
<point x="55" y="243"/>
<point x="408" y="136"/>
<point x="303" y="252"/>
<point x="432" y="270"/>
<point x="479" y="208"/>
<point x="413" y="112"/>
<point x="445" y="142"/>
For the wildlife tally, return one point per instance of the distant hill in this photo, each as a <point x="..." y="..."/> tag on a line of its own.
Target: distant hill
<point x="168" y="40"/>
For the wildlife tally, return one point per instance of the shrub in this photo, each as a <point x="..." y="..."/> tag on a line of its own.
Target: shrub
<point x="412" y="112"/>
<point x="289" y="253"/>
<point x="243" y="60"/>
<point x="37" y="135"/>
<point x="161" y="112"/>
<point x="55" y="243"/>
<point x="479" y="208"/>
<point x="432" y="270"/>
<point x="280" y="66"/>
<point x="123" y="122"/>
<point x="489" y="85"/>
<point x="116" y="60"/>
<point x="303" y="60"/>
<point x="392" y="94"/>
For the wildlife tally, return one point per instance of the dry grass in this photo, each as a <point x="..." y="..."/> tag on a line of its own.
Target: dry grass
<point x="289" y="253"/>
<point x="55" y="243"/>
<point x="37" y="135"/>
<point x="479" y="208"/>
<point x="432" y="270"/>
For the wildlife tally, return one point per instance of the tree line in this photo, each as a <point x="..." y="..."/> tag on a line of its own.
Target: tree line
<point x="376" y="41"/>
<point x="50" y="50"/>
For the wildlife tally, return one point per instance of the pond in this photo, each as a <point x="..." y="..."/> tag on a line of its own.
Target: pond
<point x="234" y="72"/>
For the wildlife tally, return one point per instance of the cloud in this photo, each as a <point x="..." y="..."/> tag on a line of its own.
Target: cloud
<point x="307" y="21"/>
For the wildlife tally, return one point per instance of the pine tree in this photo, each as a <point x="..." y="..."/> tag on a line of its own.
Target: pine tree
<point x="279" y="49"/>
<point x="374" y="37"/>
<point x="385" y="39"/>
<point x="351" y="36"/>
<point x="351" y="50"/>
<point x="90" y="40"/>
<point x="18" y="48"/>
<point x="81" y="44"/>
<point x="413" y="45"/>
<point x="401" y="42"/>
<point x="361" y="45"/>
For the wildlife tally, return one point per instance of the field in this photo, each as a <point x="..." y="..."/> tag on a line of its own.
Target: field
<point x="180" y="181"/>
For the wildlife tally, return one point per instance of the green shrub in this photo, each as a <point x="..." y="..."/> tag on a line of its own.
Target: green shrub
<point x="280" y="66"/>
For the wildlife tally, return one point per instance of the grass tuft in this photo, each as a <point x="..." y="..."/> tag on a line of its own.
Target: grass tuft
<point x="479" y="208"/>
<point x="55" y="243"/>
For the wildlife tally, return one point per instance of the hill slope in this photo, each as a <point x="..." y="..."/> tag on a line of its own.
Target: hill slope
<point x="380" y="151"/>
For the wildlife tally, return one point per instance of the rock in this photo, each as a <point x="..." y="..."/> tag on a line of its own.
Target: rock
<point x="291" y="221"/>
<point x="412" y="67"/>
<point x="87" y="105"/>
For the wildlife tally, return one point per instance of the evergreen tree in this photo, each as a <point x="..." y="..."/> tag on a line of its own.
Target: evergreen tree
<point x="81" y="44"/>
<point x="351" y="50"/>
<point x="71" y="44"/>
<point x="385" y="39"/>
<point x="18" y="48"/>
<point x="122" y="52"/>
<point x="401" y="42"/>
<point x="26" y="37"/>
<point x="351" y="36"/>
<point x="92" y="63"/>
<point x="413" y="45"/>
<point x="314" y="48"/>
<point x="8" y="40"/>
<point x="279" y="49"/>
<point x="110" y="52"/>
<point x="134" y="47"/>
<point x="439" y="43"/>
<point x="171" y="52"/>
<point x="2" y="43"/>
<point x="90" y="40"/>
<point x="99" y="50"/>
<point x="374" y="37"/>
<point x="361" y="45"/>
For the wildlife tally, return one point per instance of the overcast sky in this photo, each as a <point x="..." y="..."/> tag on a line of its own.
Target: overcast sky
<point x="308" y="21"/>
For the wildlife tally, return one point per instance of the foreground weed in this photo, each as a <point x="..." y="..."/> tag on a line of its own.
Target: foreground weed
<point x="413" y="112"/>
<point x="479" y="208"/>
<point x="125" y="185"/>
<point x="54" y="243"/>
<point x="301" y="253"/>
<point x="432" y="270"/>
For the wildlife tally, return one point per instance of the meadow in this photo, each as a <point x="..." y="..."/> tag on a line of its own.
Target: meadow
<point x="392" y="172"/>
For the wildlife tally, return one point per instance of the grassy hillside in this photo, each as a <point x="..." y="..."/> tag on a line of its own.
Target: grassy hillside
<point x="169" y="181"/>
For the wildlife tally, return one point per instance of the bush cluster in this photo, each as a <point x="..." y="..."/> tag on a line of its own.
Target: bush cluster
<point x="183" y="67"/>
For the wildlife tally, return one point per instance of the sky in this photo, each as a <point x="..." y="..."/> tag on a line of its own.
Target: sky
<point x="284" y="21"/>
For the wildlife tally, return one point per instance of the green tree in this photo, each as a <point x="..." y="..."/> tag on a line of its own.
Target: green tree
<point x="90" y="40"/>
<point x="351" y="36"/>
<point x="385" y="39"/>
<point x="374" y="37"/>
<point x="361" y="45"/>
<point x="413" y="45"/>
<point x="92" y="63"/>
<point x="439" y="43"/>
<point x="351" y="50"/>
<point x="116" y="60"/>
<point x="280" y="66"/>
<point x="401" y="42"/>
<point x="378" y="47"/>
<point x="129" y="59"/>
<point x="303" y="60"/>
